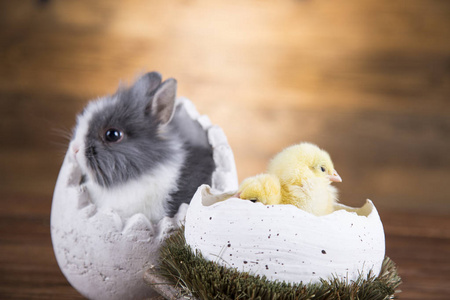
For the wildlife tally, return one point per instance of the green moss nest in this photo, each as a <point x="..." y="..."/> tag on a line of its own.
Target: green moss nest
<point x="207" y="280"/>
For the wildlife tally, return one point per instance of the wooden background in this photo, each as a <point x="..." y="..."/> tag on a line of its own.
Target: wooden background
<point x="369" y="81"/>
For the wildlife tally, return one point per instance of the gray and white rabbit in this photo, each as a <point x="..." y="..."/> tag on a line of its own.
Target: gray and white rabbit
<point x="139" y="153"/>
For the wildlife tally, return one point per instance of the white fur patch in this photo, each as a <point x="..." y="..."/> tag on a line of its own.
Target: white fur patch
<point x="82" y="129"/>
<point x="148" y="194"/>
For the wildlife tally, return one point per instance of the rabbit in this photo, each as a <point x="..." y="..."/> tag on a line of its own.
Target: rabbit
<point x="139" y="153"/>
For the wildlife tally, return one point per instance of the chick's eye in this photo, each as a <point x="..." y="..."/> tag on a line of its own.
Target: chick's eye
<point x="322" y="169"/>
<point x="113" y="135"/>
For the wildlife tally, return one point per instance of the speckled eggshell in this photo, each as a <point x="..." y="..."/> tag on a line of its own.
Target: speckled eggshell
<point x="103" y="256"/>
<point x="283" y="242"/>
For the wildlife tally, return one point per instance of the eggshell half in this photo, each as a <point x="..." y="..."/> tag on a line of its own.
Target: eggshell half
<point x="283" y="242"/>
<point x="103" y="256"/>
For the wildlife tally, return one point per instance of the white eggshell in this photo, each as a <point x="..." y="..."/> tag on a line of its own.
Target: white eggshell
<point x="105" y="257"/>
<point x="283" y="242"/>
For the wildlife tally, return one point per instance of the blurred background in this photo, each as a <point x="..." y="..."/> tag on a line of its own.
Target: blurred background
<point x="369" y="81"/>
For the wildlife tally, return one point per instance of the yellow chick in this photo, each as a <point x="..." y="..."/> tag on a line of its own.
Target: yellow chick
<point x="300" y="175"/>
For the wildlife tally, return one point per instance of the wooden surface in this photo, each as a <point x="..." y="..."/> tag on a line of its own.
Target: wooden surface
<point x="369" y="81"/>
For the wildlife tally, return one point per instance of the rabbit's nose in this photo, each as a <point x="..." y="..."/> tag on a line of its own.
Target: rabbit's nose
<point x="75" y="148"/>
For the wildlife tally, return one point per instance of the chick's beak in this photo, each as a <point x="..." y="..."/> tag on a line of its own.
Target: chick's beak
<point x="335" y="177"/>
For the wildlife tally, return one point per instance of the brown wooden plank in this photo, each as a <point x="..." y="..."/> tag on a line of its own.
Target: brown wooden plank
<point x="369" y="81"/>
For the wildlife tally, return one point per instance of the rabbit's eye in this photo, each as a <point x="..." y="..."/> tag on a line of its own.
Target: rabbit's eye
<point x="113" y="135"/>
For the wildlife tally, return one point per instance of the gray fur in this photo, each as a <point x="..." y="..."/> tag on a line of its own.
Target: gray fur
<point x="197" y="170"/>
<point x="145" y="146"/>
<point x="145" y="85"/>
<point x="199" y="163"/>
<point x="189" y="131"/>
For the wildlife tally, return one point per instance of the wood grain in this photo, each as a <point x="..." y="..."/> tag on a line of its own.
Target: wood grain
<point x="369" y="81"/>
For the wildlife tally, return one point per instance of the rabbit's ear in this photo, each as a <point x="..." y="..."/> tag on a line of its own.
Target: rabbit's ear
<point x="163" y="103"/>
<point x="146" y="85"/>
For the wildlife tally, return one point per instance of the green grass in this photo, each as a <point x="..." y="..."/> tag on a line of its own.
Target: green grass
<point x="208" y="280"/>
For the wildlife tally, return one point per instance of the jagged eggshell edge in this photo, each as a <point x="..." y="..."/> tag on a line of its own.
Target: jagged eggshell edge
<point x="283" y="242"/>
<point x="104" y="257"/>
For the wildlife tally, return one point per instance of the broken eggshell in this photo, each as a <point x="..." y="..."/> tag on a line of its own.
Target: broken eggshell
<point x="104" y="256"/>
<point x="283" y="242"/>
